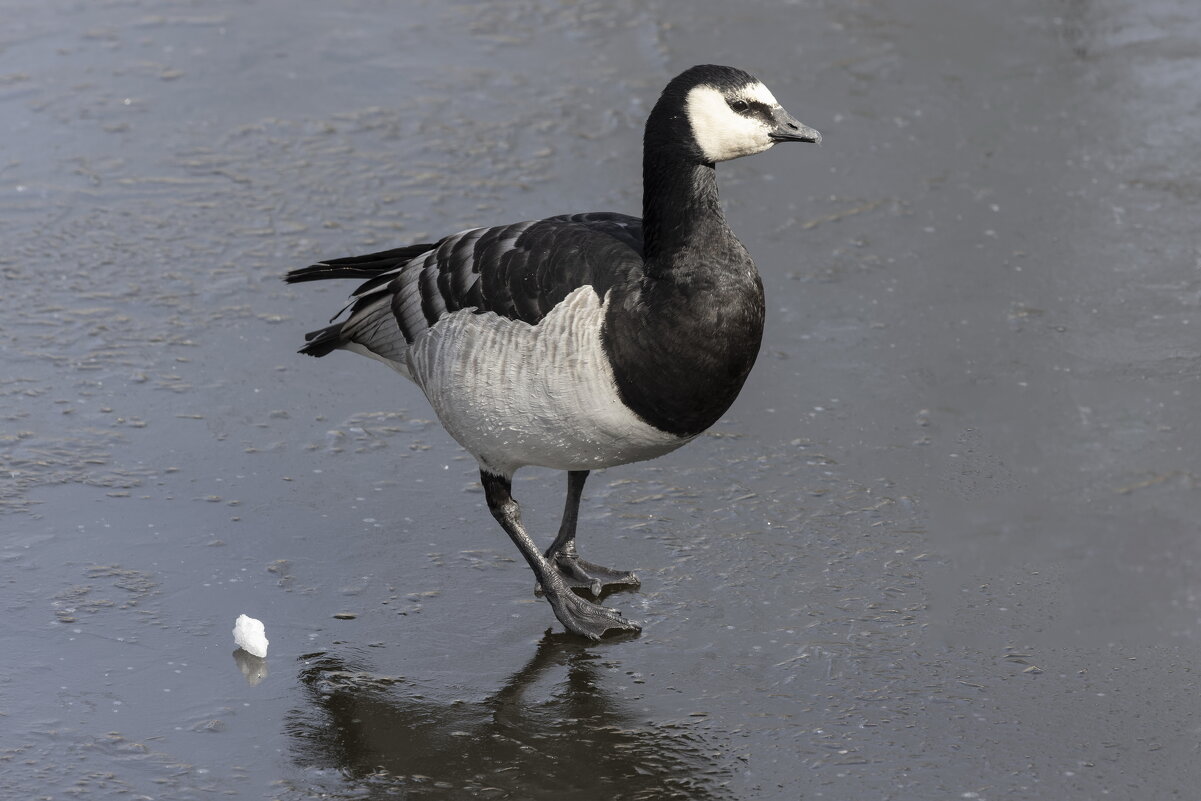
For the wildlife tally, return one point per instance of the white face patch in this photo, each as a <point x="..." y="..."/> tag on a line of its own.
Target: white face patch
<point x="723" y="133"/>
<point x="758" y="91"/>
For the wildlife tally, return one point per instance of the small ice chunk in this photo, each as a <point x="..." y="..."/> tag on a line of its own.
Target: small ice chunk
<point x="250" y="636"/>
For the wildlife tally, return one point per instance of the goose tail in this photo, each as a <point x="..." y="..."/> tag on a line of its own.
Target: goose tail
<point x="376" y="268"/>
<point x="367" y="266"/>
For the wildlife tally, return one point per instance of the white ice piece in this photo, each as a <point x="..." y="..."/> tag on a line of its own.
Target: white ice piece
<point x="250" y="636"/>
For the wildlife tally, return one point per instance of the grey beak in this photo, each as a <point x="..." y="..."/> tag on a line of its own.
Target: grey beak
<point x="790" y="129"/>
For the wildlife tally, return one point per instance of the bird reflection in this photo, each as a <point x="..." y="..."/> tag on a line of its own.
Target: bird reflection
<point x="551" y="731"/>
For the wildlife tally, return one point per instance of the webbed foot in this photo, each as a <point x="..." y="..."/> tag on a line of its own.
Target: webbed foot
<point x="587" y="619"/>
<point x="596" y="579"/>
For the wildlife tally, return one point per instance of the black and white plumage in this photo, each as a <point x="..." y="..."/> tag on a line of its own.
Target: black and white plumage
<point x="587" y="340"/>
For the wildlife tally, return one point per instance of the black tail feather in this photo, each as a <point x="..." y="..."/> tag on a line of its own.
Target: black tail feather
<point x="323" y="340"/>
<point x="372" y="266"/>
<point x="366" y="266"/>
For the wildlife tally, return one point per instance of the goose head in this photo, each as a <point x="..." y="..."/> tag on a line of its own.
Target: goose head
<point x="720" y="113"/>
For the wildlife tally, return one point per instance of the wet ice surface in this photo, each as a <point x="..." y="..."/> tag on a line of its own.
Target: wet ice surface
<point x="945" y="544"/>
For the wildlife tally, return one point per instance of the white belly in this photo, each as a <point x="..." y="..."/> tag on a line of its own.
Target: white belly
<point x="515" y="394"/>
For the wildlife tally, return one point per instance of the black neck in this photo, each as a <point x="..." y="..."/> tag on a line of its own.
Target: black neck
<point x="682" y="339"/>
<point x="680" y="209"/>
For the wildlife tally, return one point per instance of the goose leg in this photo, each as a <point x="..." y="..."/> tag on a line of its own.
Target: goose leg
<point x="576" y="614"/>
<point x="563" y="555"/>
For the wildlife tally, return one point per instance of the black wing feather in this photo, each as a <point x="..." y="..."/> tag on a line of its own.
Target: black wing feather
<point x="519" y="272"/>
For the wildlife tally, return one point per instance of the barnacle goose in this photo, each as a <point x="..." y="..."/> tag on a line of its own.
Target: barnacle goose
<point x="585" y="340"/>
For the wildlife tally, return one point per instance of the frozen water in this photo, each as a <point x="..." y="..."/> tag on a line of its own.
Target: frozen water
<point x="251" y="636"/>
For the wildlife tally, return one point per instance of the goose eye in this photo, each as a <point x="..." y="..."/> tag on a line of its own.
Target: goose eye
<point x="739" y="105"/>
